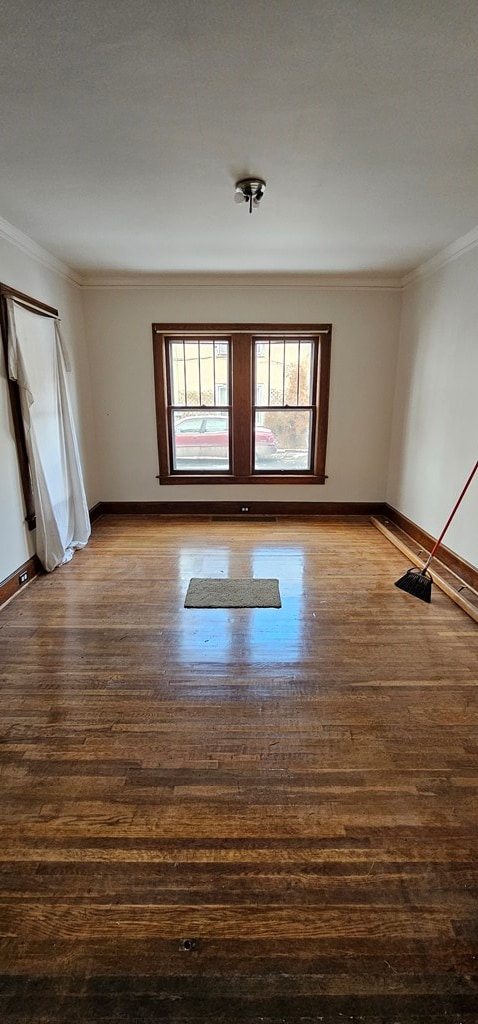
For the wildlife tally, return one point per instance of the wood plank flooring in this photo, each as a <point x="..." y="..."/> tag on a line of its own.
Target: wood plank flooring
<point x="294" y="790"/>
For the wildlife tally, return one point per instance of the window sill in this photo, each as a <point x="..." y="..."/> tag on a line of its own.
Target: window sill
<point x="223" y="478"/>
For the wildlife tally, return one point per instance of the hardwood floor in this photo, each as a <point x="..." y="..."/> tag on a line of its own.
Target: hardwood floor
<point x="294" y="790"/>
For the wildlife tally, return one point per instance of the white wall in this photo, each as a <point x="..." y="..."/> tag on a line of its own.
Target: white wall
<point x="364" y="343"/>
<point x="435" y="423"/>
<point x="20" y="271"/>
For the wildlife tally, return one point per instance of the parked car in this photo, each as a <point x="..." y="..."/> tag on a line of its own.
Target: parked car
<point x="207" y="437"/>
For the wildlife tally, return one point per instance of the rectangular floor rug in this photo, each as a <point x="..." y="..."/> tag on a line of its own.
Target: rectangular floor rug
<point x="235" y="593"/>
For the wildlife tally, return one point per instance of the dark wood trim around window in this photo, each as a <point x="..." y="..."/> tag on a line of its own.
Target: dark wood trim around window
<point x="19" y="431"/>
<point x="241" y="339"/>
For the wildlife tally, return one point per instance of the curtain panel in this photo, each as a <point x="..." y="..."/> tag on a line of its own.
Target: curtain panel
<point x="38" y="362"/>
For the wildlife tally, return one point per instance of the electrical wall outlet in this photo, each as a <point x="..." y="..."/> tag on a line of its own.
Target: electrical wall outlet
<point x="23" y="577"/>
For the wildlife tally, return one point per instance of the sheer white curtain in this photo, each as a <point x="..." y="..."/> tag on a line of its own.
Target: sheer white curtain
<point x="38" y="361"/>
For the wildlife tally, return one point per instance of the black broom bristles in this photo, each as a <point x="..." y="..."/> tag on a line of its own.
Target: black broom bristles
<point x="418" y="583"/>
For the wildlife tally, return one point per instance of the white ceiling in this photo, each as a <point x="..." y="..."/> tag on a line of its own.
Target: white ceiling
<point x="124" y="126"/>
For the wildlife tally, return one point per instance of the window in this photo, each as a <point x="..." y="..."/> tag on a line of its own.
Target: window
<point x="241" y="404"/>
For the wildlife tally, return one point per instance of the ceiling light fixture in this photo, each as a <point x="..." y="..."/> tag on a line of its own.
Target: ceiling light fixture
<point x="249" y="190"/>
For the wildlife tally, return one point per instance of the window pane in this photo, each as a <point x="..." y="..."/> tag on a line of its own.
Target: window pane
<point x="206" y="372"/>
<point x="283" y="368"/>
<point x="192" y="373"/>
<point x="220" y="375"/>
<point x="276" y="373"/>
<point x="282" y="440"/>
<point x="189" y="425"/>
<point x="201" y="443"/>
<point x="305" y="373"/>
<point x="221" y="394"/>
<point x="261" y="372"/>
<point x="199" y="370"/>
<point x="178" y="371"/>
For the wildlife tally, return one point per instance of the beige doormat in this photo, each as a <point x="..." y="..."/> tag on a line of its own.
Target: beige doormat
<point x="236" y="593"/>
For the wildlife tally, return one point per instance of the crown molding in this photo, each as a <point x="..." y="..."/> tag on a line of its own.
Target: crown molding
<point x="37" y="252"/>
<point x="447" y="255"/>
<point x="102" y="279"/>
<point x="112" y="280"/>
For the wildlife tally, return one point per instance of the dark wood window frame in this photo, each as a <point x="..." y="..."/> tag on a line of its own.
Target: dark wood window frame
<point x="242" y="338"/>
<point x="19" y="431"/>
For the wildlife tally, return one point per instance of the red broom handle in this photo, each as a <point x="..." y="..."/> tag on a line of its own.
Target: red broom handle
<point x="445" y="528"/>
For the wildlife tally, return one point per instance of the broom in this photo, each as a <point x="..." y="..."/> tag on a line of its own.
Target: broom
<point x="418" y="582"/>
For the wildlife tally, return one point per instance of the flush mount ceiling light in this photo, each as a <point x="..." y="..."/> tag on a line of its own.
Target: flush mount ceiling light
<point x="249" y="190"/>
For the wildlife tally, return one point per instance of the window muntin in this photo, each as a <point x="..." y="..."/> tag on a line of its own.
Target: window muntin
<point x="261" y="395"/>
